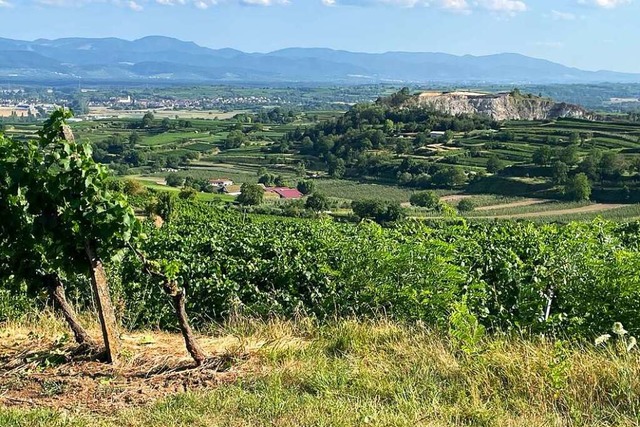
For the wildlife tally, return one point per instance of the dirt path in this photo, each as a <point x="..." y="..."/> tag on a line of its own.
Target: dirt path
<point x="528" y="202"/>
<point x="596" y="207"/>
<point x="455" y="197"/>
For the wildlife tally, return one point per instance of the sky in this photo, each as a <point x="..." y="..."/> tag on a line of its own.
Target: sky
<point x="588" y="34"/>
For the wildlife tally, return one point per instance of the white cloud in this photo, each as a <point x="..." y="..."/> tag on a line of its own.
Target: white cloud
<point x="605" y="4"/>
<point x="4" y="3"/>
<point x="139" y="5"/>
<point x="510" y="7"/>
<point x="456" y="5"/>
<point x="553" y="45"/>
<point x="562" y="16"/>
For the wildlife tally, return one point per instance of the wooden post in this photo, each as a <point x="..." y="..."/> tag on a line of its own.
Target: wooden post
<point x="103" y="302"/>
<point x="100" y="287"/>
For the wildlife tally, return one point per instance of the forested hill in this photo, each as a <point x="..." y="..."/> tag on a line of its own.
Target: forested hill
<point x="163" y="59"/>
<point x="401" y="141"/>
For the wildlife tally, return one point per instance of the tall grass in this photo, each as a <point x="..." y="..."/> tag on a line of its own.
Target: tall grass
<point x="381" y="373"/>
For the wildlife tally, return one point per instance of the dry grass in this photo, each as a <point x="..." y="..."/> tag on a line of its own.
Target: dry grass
<point x="345" y="373"/>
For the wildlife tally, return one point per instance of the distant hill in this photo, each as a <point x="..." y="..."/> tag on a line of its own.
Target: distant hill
<point x="166" y="59"/>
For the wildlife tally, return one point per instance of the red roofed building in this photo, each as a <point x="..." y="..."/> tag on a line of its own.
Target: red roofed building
<point x="284" y="192"/>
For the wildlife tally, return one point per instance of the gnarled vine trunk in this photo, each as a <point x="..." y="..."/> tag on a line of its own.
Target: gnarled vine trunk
<point x="103" y="303"/>
<point x="178" y="301"/>
<point x="59" y="298"/>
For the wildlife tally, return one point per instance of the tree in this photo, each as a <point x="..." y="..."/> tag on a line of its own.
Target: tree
<point x="466" y="205"/>
<point x="250" y="194"/>
<point x="560" y="172"/>
<point x="579" y="187"/>
<point x="425" y="199"/>
<point x="569" y="155"/>
<point x="133" y="188"/>
<point x="337" y="168"/>
<point x="306" y="186"/>
<point x="448" y="135"/>
<point x="147" y="120"/>
<point x="494" y="164"/>
<point x="134" y="138"/>
<point x="235" y="139"/>
<point x="612" y="165"/>
<point x="542" y="156"/>
<point x="590" y="165"/>
<point x="378" y="210"/>
<point x="174" y="180"/>
<point x="267" y="179"/>
<point x="166" y="123"/>
<point x="449" y="177"/>
<point x="317" y="202"/>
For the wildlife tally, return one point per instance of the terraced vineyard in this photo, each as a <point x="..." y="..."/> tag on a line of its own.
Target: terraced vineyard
<point x="509" y="170"/>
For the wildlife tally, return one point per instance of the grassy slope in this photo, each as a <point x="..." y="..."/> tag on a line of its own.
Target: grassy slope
<point x="381" y="373"/>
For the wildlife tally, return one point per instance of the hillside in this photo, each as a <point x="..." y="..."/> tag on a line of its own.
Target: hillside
<point x="163" y="59"/>
<point x="501" y="106"/>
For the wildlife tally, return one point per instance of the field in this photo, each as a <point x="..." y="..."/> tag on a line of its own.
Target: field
<point x="301" y="373"/>
<point x="161" y="113"/>
<point x="198" y="151"/>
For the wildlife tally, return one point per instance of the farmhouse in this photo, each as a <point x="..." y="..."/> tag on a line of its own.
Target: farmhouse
<point x="220" y="182"/>
<point x="283" y="192"/>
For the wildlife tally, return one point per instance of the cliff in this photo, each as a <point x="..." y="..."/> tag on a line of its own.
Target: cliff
<point x="501" y="106"/>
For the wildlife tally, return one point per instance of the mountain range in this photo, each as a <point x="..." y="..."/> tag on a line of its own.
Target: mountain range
<point x="164" y="59"/>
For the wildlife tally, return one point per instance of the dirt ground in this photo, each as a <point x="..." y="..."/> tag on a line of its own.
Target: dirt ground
<point x="596" y="207"/>
<point x="42" y="371"/>
<point x="528" y="202"/>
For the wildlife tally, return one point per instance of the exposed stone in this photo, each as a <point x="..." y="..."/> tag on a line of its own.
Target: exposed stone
<point x="501" y="106"/>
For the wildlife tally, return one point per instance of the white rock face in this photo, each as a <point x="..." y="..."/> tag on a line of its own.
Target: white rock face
<point x="503" y="106"/>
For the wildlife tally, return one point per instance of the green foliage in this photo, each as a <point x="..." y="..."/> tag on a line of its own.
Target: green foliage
<point x="235" y="139"/>
<point x="573" y="279"/>
<point x="465" y="329"/>
<point x="174" y="180"/>
<point x="378" y="210"/>
<point x="188" y="193"/>
<point x="466" y="205"/>
<point x="494" y="164"/>
<point x="251" y="195"/>
<point x="560" y="172"/>
<point x="579" y="187"/>
<point x="425" y="199"/>
<point x="56" y="200"/>
<point x="317" y="202"/>
<point x="147" y="120"/>
<point x="306" y="186"/>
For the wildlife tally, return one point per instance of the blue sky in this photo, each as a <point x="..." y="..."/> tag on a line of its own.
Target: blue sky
<point x="589" y="34"/>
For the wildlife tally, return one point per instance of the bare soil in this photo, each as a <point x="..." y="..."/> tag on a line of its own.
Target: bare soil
<point x="38" y="371"/>
<point x="528" y="202"/>
<point x="596" y="207"/>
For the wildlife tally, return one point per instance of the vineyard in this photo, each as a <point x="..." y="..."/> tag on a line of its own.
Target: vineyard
<point x="425" y="318"/>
